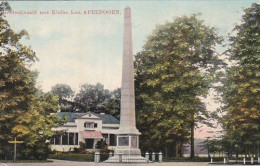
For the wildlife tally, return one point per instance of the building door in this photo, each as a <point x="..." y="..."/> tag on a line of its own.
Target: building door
<point x="112" y="140"/>
<point x="89" y="143"/>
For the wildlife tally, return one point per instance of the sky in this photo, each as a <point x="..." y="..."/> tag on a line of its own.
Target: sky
<point x="87" y="48"/>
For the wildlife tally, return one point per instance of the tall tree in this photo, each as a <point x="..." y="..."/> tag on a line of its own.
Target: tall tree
<point x="175" y="68"/>
<point x="62" y="90"/>
<point x="113" y="104"/>
<point x="241" y="86"/>
<point x="92" y="98"/>
<point x="65" y="94"/>
<point x="24" y="110"/>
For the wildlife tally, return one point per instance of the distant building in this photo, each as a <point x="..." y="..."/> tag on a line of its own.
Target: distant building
<point x="86" y="127"/>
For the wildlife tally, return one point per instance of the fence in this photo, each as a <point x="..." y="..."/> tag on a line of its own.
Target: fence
<point x="149" y="157"/>
<point x="243" y="161"/>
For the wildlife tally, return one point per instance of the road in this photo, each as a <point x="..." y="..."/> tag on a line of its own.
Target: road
<point x="75" y="163"/>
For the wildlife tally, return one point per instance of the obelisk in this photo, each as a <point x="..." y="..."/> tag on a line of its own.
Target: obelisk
<point x="127" y="113"/>
<point x="127" y="135"/>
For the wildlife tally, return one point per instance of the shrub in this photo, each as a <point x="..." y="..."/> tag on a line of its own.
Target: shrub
<point x="73" y="157"/>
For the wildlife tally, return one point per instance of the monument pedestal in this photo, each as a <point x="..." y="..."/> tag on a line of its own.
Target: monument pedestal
<point x="127" y="150"/>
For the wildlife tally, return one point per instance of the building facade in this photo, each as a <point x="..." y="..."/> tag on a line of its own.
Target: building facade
<point x="89" y="128"/>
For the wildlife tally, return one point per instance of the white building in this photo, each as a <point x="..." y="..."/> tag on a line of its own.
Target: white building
<point x="86" y="127"/>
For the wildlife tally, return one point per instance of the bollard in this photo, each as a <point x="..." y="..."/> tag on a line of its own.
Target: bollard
<point x="120" y="155"/>
<point x="95" y="157"/>
<point x="98" y="157"/>
<point x="258" y="160"/>
<point x="146" y="157"/>
<point x="110" y="154"/>
<point x="211" y="160"/>
<point x="160" y="157"/>
<point x="252" y="160"/>
<point x="244" y="161"/>
<point x="225" y="161"/>
<point x="153" y="157"/>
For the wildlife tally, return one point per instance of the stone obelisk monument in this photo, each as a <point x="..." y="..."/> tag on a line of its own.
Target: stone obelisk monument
<point x="127" y="149"/>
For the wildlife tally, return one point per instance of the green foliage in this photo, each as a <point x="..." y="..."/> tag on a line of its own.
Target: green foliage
<point x="113" y="104"/>
<point x="92" y="97"/>
<point x="73" y="157"/>
<point x="64" y="92"/>
<point x="174" y="69"/>
<point x="24" y="109"/>
<point x="82" y="147"/>
<point x="102" y="145"/>
<point x="241" y="86"/>
<point x="97" y="99"/>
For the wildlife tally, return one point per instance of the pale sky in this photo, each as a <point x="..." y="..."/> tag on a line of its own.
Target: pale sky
<point x="78" y="49"/>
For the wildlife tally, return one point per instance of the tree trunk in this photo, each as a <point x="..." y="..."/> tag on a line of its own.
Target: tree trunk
<point x="176" y="149"/>
<point x="182" y="149"/>
<point x="192" y="138"/>
<point x="166" y="152"/>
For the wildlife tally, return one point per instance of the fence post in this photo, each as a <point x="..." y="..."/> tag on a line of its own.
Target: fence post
<point x="120" y="157"/>
<point x="110" y="154"/>
<point x="244" y="160"/>
<point x="225" y="161"/>
<point x="252" y="160"/>
<point x="160" y="157"/>
<point x="146" y="157"/>
<point x="98" y="156"/>
<point x="258" y="160"/>
<point x="95" y="157"/>
<point x="153" y="157"/>
<point x="211" y="160"/>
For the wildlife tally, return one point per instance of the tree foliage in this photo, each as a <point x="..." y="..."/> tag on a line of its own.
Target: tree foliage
<point x="174" y="69"/>
<point x="241" y="86"/>
<point x="24" y="109"/>
<point x="97" y="99"/>
<point x="65" y="94"/>
<point x="62" y="90"/>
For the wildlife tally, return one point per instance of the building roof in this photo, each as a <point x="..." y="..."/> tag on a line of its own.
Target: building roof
<point x="91" y="134"/>
<point x="106" y="118"/>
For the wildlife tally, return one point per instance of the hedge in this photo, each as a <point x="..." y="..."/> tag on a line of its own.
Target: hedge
<point x="73" y="157"/>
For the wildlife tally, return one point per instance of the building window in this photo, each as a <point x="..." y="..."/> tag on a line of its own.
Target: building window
<point x="57" y="139"/>
<point x="76" y="139"/>
<point x="95" y="125"/>
<point x="71" y="138"/>
<point x="88" y="125"/>
<point x="65" y="139"/>
<point x="52" y="142"/>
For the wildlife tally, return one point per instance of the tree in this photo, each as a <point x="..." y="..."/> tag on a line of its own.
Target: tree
<point x="174" y="69"/>
<point x="113" y="104"/>
<point x="92" y="98"/>
<point x="241" y="86"/>
<point x="24" y="110"/>
<point x="64" y="92"/>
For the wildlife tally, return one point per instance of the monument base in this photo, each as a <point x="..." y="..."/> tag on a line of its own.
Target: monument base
<point x="126" y="156"/>
<point x="127" y="150"/>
